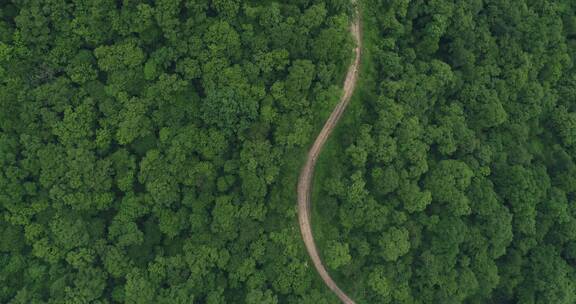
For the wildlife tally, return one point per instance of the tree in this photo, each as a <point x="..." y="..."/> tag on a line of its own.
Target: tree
<point x="338" y="255"/>
<point x="380" y="284"/>
<point x="122" y="55"/>
<point x="258" y="296"/>
<point x="138" y="288"/>
<point x="227" y="8"/>
<point x="394" y="243"/>
<point x="448" y="182"/>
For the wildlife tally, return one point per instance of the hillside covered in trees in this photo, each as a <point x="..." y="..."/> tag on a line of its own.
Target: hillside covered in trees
<point x="149" y="150"/>
<point x="453" y="179"/>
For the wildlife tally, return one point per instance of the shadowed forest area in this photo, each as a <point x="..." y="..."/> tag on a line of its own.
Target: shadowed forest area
<point x="453" y="180"/>
<point x="149" y="150"/>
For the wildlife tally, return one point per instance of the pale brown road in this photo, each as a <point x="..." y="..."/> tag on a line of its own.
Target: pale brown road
<point x="305" y="181"/>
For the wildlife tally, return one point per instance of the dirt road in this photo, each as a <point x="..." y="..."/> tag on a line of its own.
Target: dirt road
<point x="305" y="181"/>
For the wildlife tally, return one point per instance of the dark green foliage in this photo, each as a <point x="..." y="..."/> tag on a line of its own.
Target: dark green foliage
<point x="462" y="190"/>
<point x="148" y="149"/>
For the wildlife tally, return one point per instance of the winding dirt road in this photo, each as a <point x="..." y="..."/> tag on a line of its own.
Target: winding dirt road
<point x="305" y="180"/>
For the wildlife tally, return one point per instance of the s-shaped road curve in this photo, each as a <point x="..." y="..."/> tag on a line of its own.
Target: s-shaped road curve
<point x="305" y="180"/>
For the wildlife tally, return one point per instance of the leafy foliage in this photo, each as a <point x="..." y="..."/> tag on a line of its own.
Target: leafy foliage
<point x="147" y="147"/>
<point x="455" y="182"/>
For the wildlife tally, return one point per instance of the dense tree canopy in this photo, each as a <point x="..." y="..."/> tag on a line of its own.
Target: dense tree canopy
<point x="149" y="149"/>
<point x="456" y="179"/>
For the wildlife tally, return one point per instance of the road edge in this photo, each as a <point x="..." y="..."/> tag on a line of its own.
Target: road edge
<point x="307" y="172"/>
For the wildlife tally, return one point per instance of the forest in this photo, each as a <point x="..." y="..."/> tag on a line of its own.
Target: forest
<point x="150" y="151"/>
<point x="147" y="148"/>
<point x="453" y="176"/>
